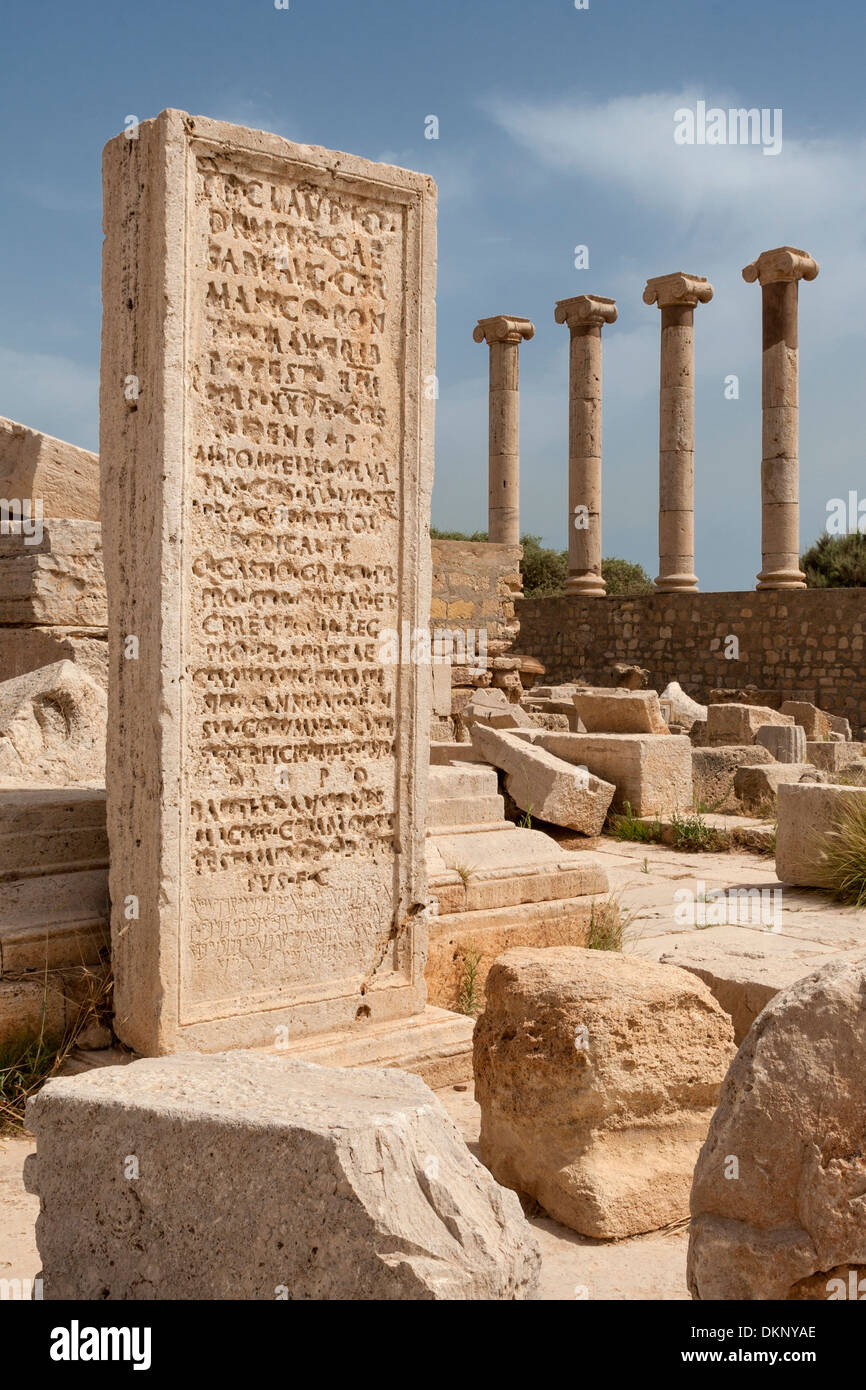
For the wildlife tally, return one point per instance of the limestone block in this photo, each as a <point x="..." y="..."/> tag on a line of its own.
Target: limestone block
<point x="754" y="785"/>
<point x="833" y="757"/>
<point x="838" y="725"/>
<point x="793" y="1113"/>
<point x="813" y="720"/>
<point x="262" y="1177"/>
<point x="268" y="752"/>
<point x="804" y="813"/>
<point x="543" y="785"/>
<point x="629" y="677"/>
<point x="620" y="712"/>
<point x="35" y="465"/>
<point x="43" y="829"/>
<point x="786" y="742"/>
<point x="58" y="581"/>
<point x="652" y="774"/>
<point x="737" y="724"/>
<point x="442" y="688"/>
<point x="24" y="649"/>
<point x="745" y="971"/>
<point x="684" y="710"/>
<point x="597" y="1074"/>
<point x="714" y="771"/>
<point x="493" y="709"/>
<point x="52" y="727"/>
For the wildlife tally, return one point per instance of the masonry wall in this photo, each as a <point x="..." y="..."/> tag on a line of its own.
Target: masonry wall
<point x="475" y="585"/>
<point x="807" y="643"/>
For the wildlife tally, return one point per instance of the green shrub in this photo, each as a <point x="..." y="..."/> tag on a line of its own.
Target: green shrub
<point x="842" y="855"/>
<point x="836" y="562"/>
<point x="628" y="826"/>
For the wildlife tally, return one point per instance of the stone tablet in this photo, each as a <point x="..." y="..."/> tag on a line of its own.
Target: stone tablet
<point x="267" y="440"/>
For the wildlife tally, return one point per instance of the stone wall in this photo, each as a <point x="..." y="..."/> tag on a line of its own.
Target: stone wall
<point x="475" y="584"/>
<point x="809" y="641"/>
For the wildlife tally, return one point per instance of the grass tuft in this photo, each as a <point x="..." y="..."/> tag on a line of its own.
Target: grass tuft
<point x="842" y="855"/>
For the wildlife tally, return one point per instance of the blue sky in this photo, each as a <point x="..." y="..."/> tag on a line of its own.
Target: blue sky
<point x="555" y="129"/>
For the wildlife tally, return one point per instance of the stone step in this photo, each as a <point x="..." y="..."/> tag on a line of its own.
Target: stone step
<point x="435" y="1044"/>
<point x="456" y="937"/>
<point x="46" y="1003"/>
<point x="469" y="872"/>
<point x="53" y="920"/>
<point x="466" y="780"/>
<point x="456" y="811"/>
<point x="44" y="830"/>
<point x="443" y="754"/>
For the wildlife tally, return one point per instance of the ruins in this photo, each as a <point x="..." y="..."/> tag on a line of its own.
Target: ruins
<point x="309" y="825"/>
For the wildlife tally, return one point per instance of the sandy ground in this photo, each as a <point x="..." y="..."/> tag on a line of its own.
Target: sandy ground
<point x="644" y="879"/>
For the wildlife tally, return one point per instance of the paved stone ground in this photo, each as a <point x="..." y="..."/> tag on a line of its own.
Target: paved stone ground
<point x="644" y="879"/>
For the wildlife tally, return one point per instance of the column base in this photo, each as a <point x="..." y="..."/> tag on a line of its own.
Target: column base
<point x="781" y="579"/>
<point x="676" y="584"/>
<point x="586" y="585"/>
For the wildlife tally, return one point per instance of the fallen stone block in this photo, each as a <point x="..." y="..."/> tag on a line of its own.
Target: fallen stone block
<point x="756" y="785"/>
<point x="597" y="1074"/>
<point x="838" y="725"/>
<point x="714" y="771"/>
<point x="804" y="814"/>
<point x="620" y="712"/>
<point x="745" y="968"/>
<point x="737" y="724"/>
<point x="249" y="1176"/>
<point x="24" y="649"/>
<point x="545" y="786"/>
<point x="833" y="757"/>
<point x="52" y="727"/>
<point x="812" y="720"/>
<point x="786" y="742"/>
<point x="56" y="579"/>
<point x="493" y="709"/>
<point x="791" y="1117"/>
<point x="629" y="677"/>
<point x="684" y="710"/>
<point x="36" y="466"/>
<point x="652" y="774"/>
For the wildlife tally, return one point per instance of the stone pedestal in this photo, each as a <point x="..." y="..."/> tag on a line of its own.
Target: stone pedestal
<point x="267" y="459"/>
<point x="503" y="335"/>
<point x="677" y="295"/>
<point x="778" y="273"/>
<point x="584" y="316"/>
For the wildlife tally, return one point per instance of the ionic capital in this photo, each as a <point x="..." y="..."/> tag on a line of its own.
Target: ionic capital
<point x="503" y="328"/>
<point x="678" y="289"/>
<point x="784" y="263"/>
<point x="586" y="311"/>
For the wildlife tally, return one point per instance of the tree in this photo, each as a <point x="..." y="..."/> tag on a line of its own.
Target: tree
<point x="623" y="577"/>
<point x="836" y="562"/>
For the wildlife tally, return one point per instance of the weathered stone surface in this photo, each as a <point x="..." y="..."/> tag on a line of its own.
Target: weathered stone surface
<point x="838" y="725"/>
<point x="804" y="814"/>
<point x="545" y="786"/>
<point x="24" y="649"/>
<point x="756" y="785"/>
<point x="597" y="1074"/>
<point x="684" y="710"/>
<point x="833" y="757"/>
<point x="793" y="1114"/>
<point x="737" y="724"/>
<point x="376" y="1197"/>
<point x="493" y="709"/>
<point x="652" y="774"/>
<point x="714" y="771"/>
<point x="811" y="719"/>
<point x="52" y="727"/>
<point x="268" y="752"/>
<point x="59" y="580"/>
<point x="786" y="742"/>
<point x="35" y="465"/>
<point x="629" y="677"/>
<point x="620" y="712"/>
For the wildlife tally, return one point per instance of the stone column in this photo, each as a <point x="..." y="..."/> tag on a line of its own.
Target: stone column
<point x="778" y="273"/>
<point x="584" y="314"/>
<point x="503" y="335"/>
<point x="677" y="295"/>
